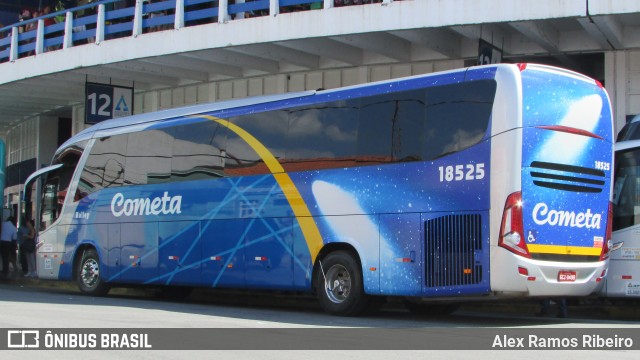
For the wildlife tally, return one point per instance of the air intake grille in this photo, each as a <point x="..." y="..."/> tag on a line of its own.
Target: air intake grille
<point x="452" y="247"/>
<point x="567" y="177"/>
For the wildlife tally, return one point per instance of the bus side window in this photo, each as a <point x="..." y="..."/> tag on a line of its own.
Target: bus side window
<point x="269" y="128"/>
<point x="323" y="136"/>
<point x="457" y="116"/>
<point x="391" y="127"/>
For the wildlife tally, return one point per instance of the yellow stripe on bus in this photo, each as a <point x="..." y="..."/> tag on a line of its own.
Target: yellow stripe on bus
<point x="564" y="250"/>
<point x="299" y="207"/>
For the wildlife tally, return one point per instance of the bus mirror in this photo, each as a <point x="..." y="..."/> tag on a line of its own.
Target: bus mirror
<point x="617" y="246"/>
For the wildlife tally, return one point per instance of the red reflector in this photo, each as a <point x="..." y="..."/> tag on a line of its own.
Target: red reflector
<point x="627" y="277"/>
<point x="599" y="279"/>
<point x="522" y="66"/>
<point x="531" y="278"/>
<point x="523" y="271"/>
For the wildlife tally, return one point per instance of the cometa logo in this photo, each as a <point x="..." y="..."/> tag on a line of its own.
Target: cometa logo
<point x="543" y="216"/>
<point x="165" y="205"/>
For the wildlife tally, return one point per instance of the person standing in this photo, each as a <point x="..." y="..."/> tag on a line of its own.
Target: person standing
<point x="8" y="245"/>
<point x="27" y="235"/>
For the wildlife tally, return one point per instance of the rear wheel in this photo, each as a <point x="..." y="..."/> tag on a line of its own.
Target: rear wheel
<point x="339" y="285"/>
<point x="88" y="274"/>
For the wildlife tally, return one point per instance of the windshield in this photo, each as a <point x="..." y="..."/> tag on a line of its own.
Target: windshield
<point x="631" y="131"/>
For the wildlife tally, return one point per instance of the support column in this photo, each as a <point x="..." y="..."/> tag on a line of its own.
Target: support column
<point x="179" y="19"/>
<point x="100" y="24"/>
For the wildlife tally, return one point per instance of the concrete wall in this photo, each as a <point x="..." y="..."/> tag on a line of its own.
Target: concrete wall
<point x="622" y="81"/>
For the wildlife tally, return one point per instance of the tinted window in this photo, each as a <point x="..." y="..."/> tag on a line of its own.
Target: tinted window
<point x="412" y="125"/>
<point x="198" y="151"/>
<point x="269" y="128"/>
<point x="148" y="157"/>
<point x="457" y="116"/>
<point x="391" y="127"/>
<point x="323" y="136"/>
<point x="105" y="165"/>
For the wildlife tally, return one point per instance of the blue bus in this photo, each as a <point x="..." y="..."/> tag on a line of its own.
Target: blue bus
<point x="491" y="180"/>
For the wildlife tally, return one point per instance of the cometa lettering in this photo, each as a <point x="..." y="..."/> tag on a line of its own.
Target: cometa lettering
<point x="165" y="205"/>
<point x="543" y="216"/>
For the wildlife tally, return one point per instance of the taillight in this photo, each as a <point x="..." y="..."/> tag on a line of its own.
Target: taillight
<point x="512" y="229"/>
<point x="606" y="247"/>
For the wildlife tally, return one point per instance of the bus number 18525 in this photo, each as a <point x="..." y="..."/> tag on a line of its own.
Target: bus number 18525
<point x="461" y="172"/>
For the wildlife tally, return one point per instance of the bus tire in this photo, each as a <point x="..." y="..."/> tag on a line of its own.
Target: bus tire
<point x="88" y="274"/>
<point x="343" y="292"/>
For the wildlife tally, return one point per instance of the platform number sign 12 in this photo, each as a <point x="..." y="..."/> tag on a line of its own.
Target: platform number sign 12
<point x="104" y="102"/>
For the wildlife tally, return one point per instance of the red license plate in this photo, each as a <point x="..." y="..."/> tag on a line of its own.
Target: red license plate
<point x="566" y="276"/>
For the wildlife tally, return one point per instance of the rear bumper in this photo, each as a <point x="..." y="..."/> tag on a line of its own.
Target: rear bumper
<point x="542" y="276"/>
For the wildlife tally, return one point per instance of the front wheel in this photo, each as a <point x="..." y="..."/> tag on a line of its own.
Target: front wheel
<point x="339" y="285"/>
<point x="88" y="274"/>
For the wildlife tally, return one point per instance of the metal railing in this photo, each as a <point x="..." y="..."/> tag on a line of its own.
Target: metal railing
<point x="108" y="19"/>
